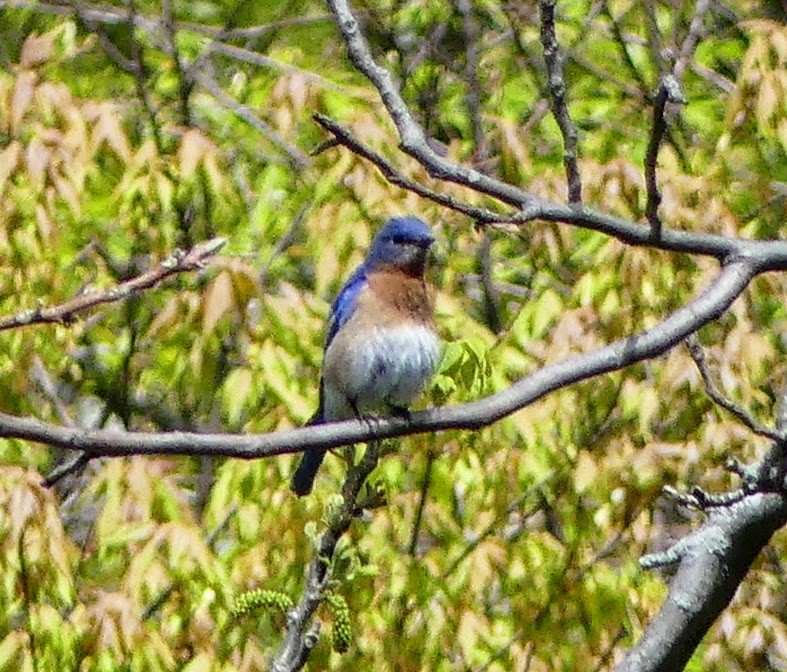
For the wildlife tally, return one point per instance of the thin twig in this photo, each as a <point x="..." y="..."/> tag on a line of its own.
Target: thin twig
<point x="669" y="90"/>
<point x="346" y="138"/>
<point x="138" y="56"/>
<point x="104" y="40"/>
<point x="419" y="513"/>
<point x="284" y="241"/>
<point x="301" y="634"/>
<point x="184" y="85"/>
<point x="691" y="40"/>
<point x="620" y="40"/>
<point x="698" y="355"/>
<point x="113" y="16"/>
<point x="40" y="375"/>
<point x="654" y="35"/>
<point x="252" y="57"/>
<point x="296" y="157"/>
<point x="177" y="262"/>
<point x="491" y="291"/>
<point x="198" y="73"/>
<point x="473" y="93"/>
<point x="67" y="468"/>
<point x="557" y="92"/>
<point x="726" y="85"/>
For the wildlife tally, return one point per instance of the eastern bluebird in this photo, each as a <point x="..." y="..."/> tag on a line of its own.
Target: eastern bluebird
<point x="381" y="346"/>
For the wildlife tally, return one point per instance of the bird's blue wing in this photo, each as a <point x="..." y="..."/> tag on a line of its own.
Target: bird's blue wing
<point x="341" y="311"/>
<point x="344" y="305"/>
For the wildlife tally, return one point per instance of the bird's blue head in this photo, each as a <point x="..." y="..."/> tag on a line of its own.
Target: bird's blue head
<point x="404" y="243"/>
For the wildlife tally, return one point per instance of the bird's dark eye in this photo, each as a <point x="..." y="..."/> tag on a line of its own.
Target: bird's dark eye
<point x="400" y="239"/>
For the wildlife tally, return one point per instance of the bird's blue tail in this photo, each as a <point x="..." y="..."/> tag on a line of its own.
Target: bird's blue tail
<point x="303" y="478"/>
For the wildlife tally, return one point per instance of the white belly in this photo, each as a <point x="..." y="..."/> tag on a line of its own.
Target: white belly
<point x="387" y="368"/>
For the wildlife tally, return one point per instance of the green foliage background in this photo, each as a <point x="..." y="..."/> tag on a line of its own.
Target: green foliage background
<point x="522" y="551"/>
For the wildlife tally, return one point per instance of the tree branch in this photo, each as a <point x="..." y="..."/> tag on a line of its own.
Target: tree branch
<point x="113" y="16"/>
<point x="66" y="469"/>
<point x="617" y="33"/>
<point x="344" y="137"/>
<point x="698" y="355"/>
<point x="557" y="91"/>
<point x="302" y="634"/>
<point x="413" y="140"/>
<point x="770" y="255"/>
<point x="175" y="263"/>
<point x="647" y="344"/>
<point x="692" y="38"/>
<point x="668" y="91"/>
<point x="473" y="93"/>
<point x="296" y="157"/>
<point x="138" y="55"/>
<point x="713" y="562"/>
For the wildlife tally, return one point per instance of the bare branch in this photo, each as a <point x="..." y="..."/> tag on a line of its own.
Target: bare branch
<point x="647" y="344"/>
<point x="69" y="461"/>
<point x="284" y="241"/>
<point x="298" y="159"/>
<point x="620" y="40"/>
<point x="40" y="375"/>
<point x="184" y="86"/>
<point x="177" y="262"/>
<point x="712" y="561"/>
<point x="112" y="16"/>
<point x="346" y="138"/>
<point x="668" y="91"/>
<point x="104" y="40"/>
<point x="557" y="91"/>
<point x="491" y="291"/>
<point x="413" y="139"/>
<point x="138" y="56"/>
<point x="473" y="95"/>
<point x="67" y="468"/>
<point x="162" y="33"/>
<point x="252" y="57"/>
<point x="692" y="38"/>
<point x="726" y="85"/>
<point x="698" y="355"/>
<point x="770" y="255"/>
<point x="302" y="635"/>
<point x="654" y="35"/>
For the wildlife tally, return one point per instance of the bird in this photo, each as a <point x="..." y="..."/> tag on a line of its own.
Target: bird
<point x="381" y="347"/>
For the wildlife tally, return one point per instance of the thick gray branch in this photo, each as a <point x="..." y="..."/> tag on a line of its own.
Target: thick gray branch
<point x="650" y="343"/>
<point x="713" y="562"/>
<point x="768" y="255"/>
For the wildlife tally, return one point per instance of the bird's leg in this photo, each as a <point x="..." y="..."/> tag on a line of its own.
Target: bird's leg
<point x="354" y="405"/>
<point x="360" y="416"/>
<point x="349" y="453"/>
